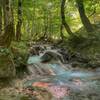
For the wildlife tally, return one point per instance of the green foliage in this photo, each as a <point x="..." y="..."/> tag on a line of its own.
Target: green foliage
<point x="41" y="14"/>
<point x="44" y="16"/>
<point x="5" y="51"/>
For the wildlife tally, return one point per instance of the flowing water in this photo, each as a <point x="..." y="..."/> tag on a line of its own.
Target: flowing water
<point x="84" y="85"/>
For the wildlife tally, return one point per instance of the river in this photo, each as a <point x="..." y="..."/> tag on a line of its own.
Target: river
<point x="83" y="84"/>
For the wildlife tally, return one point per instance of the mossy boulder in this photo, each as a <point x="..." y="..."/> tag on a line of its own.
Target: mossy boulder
<point x="7" y="67"/>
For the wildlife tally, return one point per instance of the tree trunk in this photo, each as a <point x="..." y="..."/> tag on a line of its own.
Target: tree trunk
<point x="64" y="19"/>
<point x="7" y="67"/>
<point x="8" y="24"/>
<point x="19" y="24"/>
<point x="83" y="16"/>
<point x="12" y="13"/>
<point x="61" y="32"/>
<point x="45" y="24"/>
<point x="0" y="18"/>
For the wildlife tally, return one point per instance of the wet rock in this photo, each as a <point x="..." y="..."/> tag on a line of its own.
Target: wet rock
<point x="40" y="69"/>
<point x="36" y="49"/>
<point x="97" y="69"/>
<point x="52" y="55"/>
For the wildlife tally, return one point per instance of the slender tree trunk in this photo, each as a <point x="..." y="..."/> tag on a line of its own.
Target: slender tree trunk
<point x="8" y="24"/>
<point x="7" y="67"/>
<point x="19" y="24"/>
<point x="45" y="24"/>
<point x="83" y="16"/>
<point x="64" y="19"/>
<point x="61" y="32"/>
<point x="12" y="14"/>
<point x="0" y="17"/>
<point x="33" y="33"/>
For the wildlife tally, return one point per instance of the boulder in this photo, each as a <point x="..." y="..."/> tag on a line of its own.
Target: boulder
<point x="52" y="55"/>
<point x="7" y="67"/>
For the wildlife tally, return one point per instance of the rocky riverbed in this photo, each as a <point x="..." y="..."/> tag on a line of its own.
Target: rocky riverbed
<point x="52" y="80"/>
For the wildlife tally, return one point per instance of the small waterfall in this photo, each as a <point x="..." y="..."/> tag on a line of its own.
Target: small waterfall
<point x="35" y="66"/>
<point x="52" y="71"/>
<point x="54" y="54"/>
<point x="54" y="67"/>
<point x="40" y="69"/>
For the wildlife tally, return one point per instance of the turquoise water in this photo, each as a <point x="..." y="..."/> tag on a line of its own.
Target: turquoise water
<point x="57" y="69"/>
<point x="60" y="71"/>
<point x="62" y="75"/>
<point x="34" y="59"/>
<point x="80" y="89"/>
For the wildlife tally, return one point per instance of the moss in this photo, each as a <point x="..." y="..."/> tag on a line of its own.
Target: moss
<point x="27" y="98"/>
<point x="86" y="44"/>
<point x="7" y="67"/>
<point x="20" y="56"/>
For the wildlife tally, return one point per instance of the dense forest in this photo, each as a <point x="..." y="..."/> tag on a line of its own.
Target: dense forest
<point x="64" y="32"/>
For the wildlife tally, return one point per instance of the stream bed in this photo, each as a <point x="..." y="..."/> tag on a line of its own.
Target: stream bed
<point x="52" y="80"/>
<point x="65" y="84"/>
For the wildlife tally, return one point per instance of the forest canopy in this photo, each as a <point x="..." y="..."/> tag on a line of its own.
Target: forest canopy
<point x="35" y="19"/>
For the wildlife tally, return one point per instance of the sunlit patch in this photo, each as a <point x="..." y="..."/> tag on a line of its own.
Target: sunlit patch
<point x="46" y="39"/>
<point x="55" y="37"/>
<point x="49" y="4"/>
